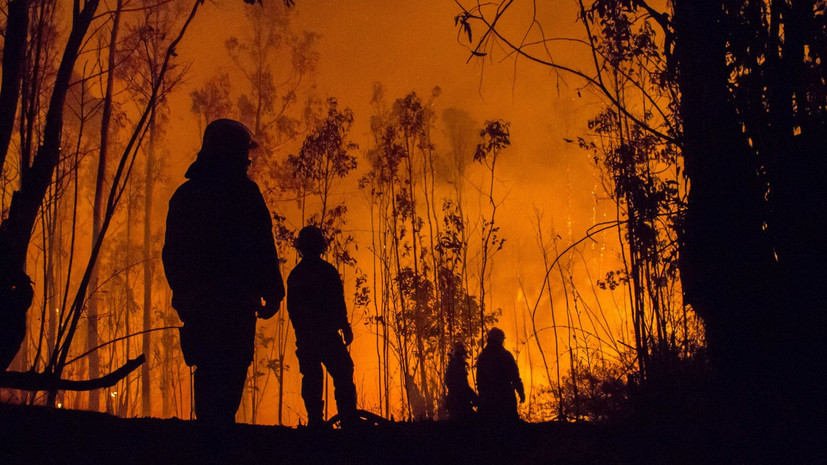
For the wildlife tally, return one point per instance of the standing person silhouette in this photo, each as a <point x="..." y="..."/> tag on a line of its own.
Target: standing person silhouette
<point x="497" y="379"/>
<point x="316" y="306"/>
<point x="220" y="260"/>
<point x="460" y="399"/>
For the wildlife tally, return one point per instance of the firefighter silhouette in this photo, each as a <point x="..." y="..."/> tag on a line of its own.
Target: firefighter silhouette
<point x="316" y="306"/>
<point x="498" y="378"/>
<point x="220" y="260"/>
<point x="460" y="399"/>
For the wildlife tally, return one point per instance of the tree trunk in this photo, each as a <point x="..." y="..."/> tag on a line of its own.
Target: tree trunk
<point x="16" y="229"/>
<point x="92" y="338"/>
<point x="729" y="264"/>
<point x="127" y="292"/>
<point x="14" y="55"/>
<point x="146" y="405"/>
<point x="726" y="261"/>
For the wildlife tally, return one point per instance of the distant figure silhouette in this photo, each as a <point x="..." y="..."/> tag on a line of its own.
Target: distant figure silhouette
<point x="460" y="399"/>
<point x="497" y="379"/>
<point x="220" y="260"/>
<point x="316" y="306"/>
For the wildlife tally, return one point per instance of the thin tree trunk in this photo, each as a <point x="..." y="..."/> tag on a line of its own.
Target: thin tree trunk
<point x="67" y="333"/>
<point x="146" y="393"/>
<point x="17" y="227"/>
<point x="127" y="286"/>
<point x="14" y="56"/>
<point x="92" y="337"/>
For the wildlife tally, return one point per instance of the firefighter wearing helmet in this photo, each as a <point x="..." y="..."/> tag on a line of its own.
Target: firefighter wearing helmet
<point x="221" y="262"/>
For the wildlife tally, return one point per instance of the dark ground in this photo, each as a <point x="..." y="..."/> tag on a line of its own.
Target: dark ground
<point x="37" y="435"/>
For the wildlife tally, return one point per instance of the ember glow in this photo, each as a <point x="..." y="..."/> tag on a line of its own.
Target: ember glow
<point x="523" y="238"/>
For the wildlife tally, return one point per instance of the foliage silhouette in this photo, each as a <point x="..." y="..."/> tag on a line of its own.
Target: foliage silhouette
<point x="750" y="92"/>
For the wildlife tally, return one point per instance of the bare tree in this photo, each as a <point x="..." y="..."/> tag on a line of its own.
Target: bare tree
<point x="16" y="229"/>
<point x="14" y="52"/>
<point x="496" y="137"/>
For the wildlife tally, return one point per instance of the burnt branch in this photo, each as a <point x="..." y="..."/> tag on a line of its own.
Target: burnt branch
<point x="29" y="381"/>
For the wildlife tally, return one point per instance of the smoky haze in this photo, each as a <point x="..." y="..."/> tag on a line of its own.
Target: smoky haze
<point x="415" y="47"/>
<point x="546" y="189"/>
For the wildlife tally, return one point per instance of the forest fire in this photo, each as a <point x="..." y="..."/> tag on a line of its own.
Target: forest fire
<point x="431" y="225"/>
<point x="455" y="193"/>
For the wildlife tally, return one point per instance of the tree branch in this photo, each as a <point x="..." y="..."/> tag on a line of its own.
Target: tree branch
<point x="661" y="18"/>
<point x="29" y="381"/>
<point x="490" y="29"/>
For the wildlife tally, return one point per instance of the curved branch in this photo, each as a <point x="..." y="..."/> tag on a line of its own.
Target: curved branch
<point x="595" y="81"/>
<point x="118" y="339"/>
<point x="29" y="381"/>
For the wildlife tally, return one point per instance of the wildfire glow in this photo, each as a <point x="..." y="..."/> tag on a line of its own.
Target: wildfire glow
<point x="512" y="221"/>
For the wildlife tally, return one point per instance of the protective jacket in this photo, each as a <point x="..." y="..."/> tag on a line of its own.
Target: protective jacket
<point x="316" y="305"/>
<point x="498" y="378"/>
<point x="460" y="399"/>
<point x="316" y="301"/>
<point x="220" y="260"/>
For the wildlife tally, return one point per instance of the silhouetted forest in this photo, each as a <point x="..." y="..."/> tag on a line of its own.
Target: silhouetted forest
<point x="675" y="289"/>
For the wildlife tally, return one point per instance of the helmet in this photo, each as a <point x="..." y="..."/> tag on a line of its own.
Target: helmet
<point x="226" y="146"/>
<point x="227" y="135"/>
